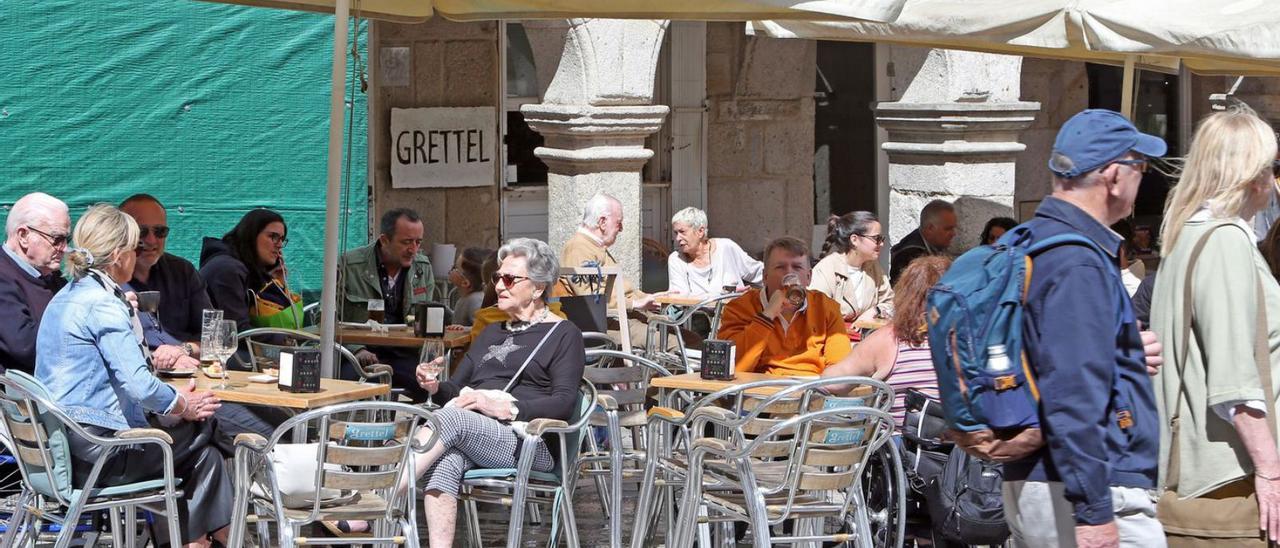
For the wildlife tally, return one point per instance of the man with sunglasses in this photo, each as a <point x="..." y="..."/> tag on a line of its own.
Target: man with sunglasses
<point x="37" y="229"/>
<point x="182" y="291"/>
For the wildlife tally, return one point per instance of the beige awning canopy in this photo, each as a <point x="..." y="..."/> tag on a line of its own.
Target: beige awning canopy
<point x="1233" y="37"/>
<point x="709" y="10"/>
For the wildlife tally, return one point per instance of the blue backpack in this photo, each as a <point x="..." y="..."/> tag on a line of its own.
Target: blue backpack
<point x="976" y="307"/>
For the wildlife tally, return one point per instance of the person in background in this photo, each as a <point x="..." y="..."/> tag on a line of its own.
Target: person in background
<point x="995" y="228"/>
<point x="392" y="270"/>
<point x="937" y="229"/>
<point x="898" y="353"/>
<point x="1214" y="391"/>
<point x="175" y="340"/>
<point x="1270" y="248"/>
<point x="104" y="382"/>
<point x="183" y="297"/>
<point x="784" y="328"/>
<point x="466" y="278"/>
<point x="237" y="270"/>
<point x="702" y="266"/>
<point x="850" y="271"/>
<point x="36" y="239"/>
<point x="589" y="245"/>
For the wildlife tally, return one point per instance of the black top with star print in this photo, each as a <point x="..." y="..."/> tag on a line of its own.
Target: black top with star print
<point x="548" y="387"/>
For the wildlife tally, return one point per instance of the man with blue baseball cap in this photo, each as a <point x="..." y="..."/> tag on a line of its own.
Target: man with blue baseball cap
<point x="1093" y="483"/>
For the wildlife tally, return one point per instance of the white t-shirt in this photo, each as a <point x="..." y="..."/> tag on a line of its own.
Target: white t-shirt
<point x="730" y="265"/>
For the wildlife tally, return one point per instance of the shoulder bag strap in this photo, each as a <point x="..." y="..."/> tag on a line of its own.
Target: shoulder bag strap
<point x="1261" y="354"/>
<point x="528" y="359"/>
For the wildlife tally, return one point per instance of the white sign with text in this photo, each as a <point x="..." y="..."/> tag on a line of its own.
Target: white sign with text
<point x="443" y="147"/>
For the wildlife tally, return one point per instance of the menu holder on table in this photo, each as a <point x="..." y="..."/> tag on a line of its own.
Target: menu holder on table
<point x="299" y="370"/>
<point x="718" y="358"/>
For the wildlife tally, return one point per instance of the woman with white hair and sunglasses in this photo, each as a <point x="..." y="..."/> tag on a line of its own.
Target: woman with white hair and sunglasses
<point x="1215" y="307"/>
<point x="528" y="367"/>
<point x="702" y="266"/>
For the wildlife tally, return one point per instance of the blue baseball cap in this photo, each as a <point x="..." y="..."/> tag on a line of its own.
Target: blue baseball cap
<point x="1095" y="137"/>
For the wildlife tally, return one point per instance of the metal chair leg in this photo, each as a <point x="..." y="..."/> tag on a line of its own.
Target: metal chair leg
<point x="473" y="523"/>
<point x="570" y="526"/>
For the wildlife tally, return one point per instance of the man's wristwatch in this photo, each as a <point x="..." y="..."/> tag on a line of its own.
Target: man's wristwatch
<point x="188" y="349"/>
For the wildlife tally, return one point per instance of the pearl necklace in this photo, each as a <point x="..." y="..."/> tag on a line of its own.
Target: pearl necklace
<point x="516" y="327"/>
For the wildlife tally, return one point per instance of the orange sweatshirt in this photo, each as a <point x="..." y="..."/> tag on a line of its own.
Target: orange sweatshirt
<point x="815" y="340"/>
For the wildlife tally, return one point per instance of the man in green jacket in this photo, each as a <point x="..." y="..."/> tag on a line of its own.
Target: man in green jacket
<point x="392" y="270"/>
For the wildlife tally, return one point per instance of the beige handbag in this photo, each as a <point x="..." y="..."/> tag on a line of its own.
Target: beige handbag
<point x="1227" y="516"/>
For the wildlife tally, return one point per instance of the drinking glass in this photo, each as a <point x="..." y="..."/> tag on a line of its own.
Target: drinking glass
<point x="432" y="349"/>
<point x="225" y="340"/>
<point x="377" y="310"/>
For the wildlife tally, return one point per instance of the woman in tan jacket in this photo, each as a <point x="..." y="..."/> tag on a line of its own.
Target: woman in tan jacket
<point x="850" y="271"/>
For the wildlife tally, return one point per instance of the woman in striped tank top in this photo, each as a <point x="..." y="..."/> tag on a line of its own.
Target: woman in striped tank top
<point x="899" y="352"/>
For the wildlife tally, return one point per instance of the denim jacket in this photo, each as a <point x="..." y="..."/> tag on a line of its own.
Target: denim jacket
<point x="88" y="356"/>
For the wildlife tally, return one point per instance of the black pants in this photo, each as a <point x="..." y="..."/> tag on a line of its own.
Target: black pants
<point x="205" y="505"/>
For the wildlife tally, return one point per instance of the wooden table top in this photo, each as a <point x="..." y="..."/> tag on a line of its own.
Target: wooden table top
<point x="332" y="391"/>
<point x="398" y="336"/>
<point x="870" y="324"/>
<point x="679" y="300"/>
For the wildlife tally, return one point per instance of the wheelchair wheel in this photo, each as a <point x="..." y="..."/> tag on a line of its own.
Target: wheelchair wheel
<point x="885" y="491"/>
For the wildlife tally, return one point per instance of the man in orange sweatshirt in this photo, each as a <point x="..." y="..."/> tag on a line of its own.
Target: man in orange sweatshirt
<point x="776" y="336"/>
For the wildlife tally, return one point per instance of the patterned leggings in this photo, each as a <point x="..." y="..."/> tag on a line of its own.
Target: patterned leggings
<point x="475" y="440"/>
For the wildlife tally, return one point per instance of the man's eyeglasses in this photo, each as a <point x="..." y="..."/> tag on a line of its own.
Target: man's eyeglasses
<point x="278" y="239"/>
<point x="160" y="231"/>
<point x="877" y="238"/>
<point x="507" y="280"/>
<point x="1139" y="164"/>
<point x="56" y="241"/>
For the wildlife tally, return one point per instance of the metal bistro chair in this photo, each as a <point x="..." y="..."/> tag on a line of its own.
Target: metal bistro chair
<point x="264" y="348"/>
<point x="40" y="430"/>
<point x="668" y="435"/>
<point x="515" y="487"/>
<point x="663" y="326"/>
<point x="367" y="453"/>
<point x="622" y="391"/>
<point x="803" y="468"/>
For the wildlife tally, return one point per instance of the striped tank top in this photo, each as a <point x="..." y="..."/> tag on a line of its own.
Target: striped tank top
<point x="913" y="368"/>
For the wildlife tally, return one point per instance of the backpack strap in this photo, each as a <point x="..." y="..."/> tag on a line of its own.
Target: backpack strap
<point x="1261" y="354"/>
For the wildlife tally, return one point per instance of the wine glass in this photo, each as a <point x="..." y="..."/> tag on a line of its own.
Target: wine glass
<point x="225" y="340"/>
<point x="432" y="349"/>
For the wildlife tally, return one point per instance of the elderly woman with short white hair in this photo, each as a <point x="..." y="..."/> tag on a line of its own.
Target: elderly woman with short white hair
<point x="702" y="266"/>
<point x="528" y="367"/>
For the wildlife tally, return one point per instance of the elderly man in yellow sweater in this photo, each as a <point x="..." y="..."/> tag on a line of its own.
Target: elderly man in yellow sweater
<point x="778" y="332"/>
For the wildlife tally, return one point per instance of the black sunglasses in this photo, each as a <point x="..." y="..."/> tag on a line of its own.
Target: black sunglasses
<point x="508" y="280"/>
<point x="877" y="238"/>
<point x="56" y="241"/>
<point x="160" y="231"/>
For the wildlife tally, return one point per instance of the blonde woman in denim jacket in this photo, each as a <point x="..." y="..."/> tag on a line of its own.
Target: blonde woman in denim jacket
<point x="89" y="355"/>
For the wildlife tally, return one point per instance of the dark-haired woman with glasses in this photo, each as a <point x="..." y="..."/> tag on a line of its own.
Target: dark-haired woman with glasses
<point x="850" y="271"/>
<point x="527" y="367"/>
<point x="244" y="271"/>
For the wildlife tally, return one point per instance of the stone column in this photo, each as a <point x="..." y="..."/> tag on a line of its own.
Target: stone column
<point x="595" y="116"/>
<point x="952" y="135"/>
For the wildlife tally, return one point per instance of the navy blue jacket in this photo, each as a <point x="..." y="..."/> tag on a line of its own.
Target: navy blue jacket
<point x="1091" y="370"/>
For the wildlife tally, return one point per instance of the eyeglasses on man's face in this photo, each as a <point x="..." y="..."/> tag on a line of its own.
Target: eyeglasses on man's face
<point x="1140" y="164"/>
<point x="160" y="231"/>
<point x="55" y="240"/>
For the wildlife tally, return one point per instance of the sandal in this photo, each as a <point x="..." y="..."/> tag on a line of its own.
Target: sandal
<point x="342" y="528"/>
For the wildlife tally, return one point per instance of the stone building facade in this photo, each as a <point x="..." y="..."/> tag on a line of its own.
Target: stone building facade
<point x="971" y="128"/>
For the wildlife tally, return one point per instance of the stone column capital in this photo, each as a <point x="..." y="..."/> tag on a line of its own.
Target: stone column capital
<point x="590" y="139"/>
<point x="956" y="129"/>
